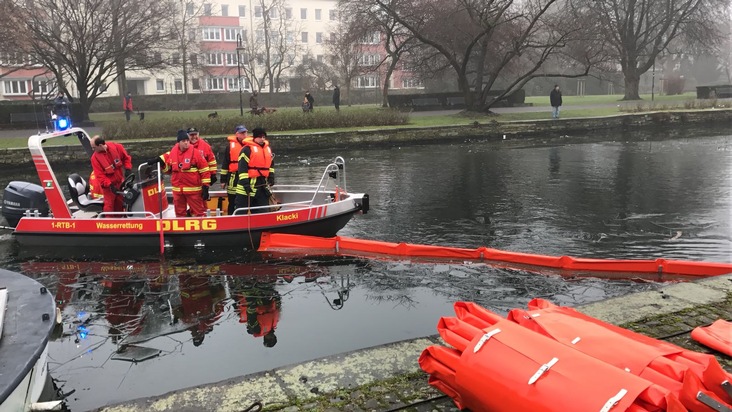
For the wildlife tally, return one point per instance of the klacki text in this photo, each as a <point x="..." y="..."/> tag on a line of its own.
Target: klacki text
<point x="285" y="218"/>
<point x="186" y="225"/>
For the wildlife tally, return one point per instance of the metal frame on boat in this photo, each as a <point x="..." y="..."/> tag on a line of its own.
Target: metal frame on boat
<point x="318" y="210"/>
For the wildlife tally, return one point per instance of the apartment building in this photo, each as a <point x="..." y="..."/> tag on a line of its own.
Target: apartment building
<point x="229" y="50"/>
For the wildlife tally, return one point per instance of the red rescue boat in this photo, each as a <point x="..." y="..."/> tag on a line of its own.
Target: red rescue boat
<point x="62" y="212"/>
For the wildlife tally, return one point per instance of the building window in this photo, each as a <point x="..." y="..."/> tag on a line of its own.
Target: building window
<point x="189" y="9"/>
<point x="211" y="33"/>
<point x="231" y="59"/>
<point x="366" y="82"/>
<point x="332" y="37"/>
<point x="160" y="85"/>
<point x="178" y="85"/>
<point x="369" y="59"/>
<point x="332" y="15"/>
<point x="412" y="84"/>
<point x="272" y="13"/>
<point x="175" y="58"/>
<point x="214" y="83"/>
<point x="207" y="9"/>
<point x="242" y="11"/>
<point x="233" y="85"/>
<point x="304" y="37"/>
<point x="224" y="10"/>
<point x="230" y="33"/>
<point x="303" y="14"/>
<point x="371" y="38"/>
<point x="288" y="13"/>
<point x="192" y="34"/>
<point x="157" y="57"/>
<point x="318" y="37"/>
<point x="42" y="87"/>
<point x="214" y="59"/>
<point x="15" y="87"/>
<point x="13" y="59"/>
<point x="259" y="36"/>
<point x="258" y="11"/>
<point x="195" y="84"/>
<point x="194" y="59"/>
<point x="317" y="14"/>
<point x="319" y="58"/>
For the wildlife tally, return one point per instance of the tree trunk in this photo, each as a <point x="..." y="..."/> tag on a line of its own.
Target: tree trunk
<point x="387" y="77"/>
<point x="632" y="81"/>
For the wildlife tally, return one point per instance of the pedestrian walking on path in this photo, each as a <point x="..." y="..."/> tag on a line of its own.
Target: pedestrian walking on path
<point x="555" y="99"/>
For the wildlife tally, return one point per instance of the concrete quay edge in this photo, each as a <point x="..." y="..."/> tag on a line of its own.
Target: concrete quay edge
<point x="388" y="377"/>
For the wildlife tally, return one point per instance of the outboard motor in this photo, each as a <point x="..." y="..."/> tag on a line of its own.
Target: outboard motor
<point x="19" y="197"/>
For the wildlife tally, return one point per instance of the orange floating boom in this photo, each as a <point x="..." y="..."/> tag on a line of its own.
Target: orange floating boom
<point x="345" y="246"/>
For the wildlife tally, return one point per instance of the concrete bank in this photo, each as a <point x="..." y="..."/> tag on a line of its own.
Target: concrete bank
<point x="388" y="378"/>
<point x="489" y="130"/>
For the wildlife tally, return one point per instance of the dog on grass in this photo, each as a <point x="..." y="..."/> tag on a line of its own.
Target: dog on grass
<point x="213" y="115"/>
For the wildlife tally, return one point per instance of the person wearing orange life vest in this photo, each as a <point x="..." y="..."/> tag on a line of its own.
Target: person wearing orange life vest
<point x="202" y="146"/>
<point x="111" y="164"/>
<point x="230" y="164"/>
<point x="189" y="176"/>
<point x="256" y="173"/>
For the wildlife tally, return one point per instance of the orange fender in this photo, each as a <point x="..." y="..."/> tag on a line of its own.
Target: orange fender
<point x="717" y="336"/>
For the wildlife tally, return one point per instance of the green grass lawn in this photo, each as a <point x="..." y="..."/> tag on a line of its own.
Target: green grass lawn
<point x="606" y="105"/>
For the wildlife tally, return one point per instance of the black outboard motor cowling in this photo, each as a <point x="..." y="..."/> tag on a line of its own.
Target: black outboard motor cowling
<point x="18" y="197"/>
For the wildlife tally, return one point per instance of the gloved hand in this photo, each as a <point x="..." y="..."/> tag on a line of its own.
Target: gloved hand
<point x="113" y="188"/>
<point x="204" y="193"/>
<point x="213" y="178"/>
<point x="128" y="172"/>
<point x="154" y="161"/>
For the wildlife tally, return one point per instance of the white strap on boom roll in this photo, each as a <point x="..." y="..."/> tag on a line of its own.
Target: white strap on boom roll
<point x="614" y="400"/>
<point x="484" y="339"/>
<point x="545" y="367"/>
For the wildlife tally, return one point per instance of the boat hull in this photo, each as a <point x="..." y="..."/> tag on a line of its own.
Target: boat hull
<point x="185" y="233"/>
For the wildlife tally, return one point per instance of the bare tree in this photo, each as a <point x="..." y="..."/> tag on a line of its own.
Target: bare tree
<point x="638" y="31"/>
<point x="317" y="74"/>
<point x="272" y="47"/>
<point x="365" y="17"/>
<point x="184" y="46"/>
<point x="12" y="37"/>
<point x="345" y="50"/>
<point x="91" y="41"/>
<point x="490" y="40"/>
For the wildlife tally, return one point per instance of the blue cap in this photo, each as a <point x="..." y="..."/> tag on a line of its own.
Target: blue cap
<point x="182" y="135"/>
<point x="240" y="129"/>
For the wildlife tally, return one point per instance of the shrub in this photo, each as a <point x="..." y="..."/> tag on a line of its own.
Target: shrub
<point x="674" y="84"/>
<point x="278" y="121"/>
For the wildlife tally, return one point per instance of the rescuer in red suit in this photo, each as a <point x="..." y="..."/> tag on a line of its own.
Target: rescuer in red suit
<point x="189" y="177"/>
<point x="111" y="164"/>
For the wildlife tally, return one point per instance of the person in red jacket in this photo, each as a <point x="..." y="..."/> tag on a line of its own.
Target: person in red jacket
<point x="127" y="105"/>
<point x="189" y="176"/>
<point x="110" y="164"/>
<point x="202" y="146"/>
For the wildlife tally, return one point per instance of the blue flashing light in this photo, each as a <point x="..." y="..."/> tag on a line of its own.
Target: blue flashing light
<point x="83" y="331"/>
<point x="62" y="123"/>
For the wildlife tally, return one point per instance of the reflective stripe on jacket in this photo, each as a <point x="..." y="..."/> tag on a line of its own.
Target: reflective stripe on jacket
<point x="189" y="170"/>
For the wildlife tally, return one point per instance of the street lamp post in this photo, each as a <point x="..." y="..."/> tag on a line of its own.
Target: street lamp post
<point x="238" y="71"/>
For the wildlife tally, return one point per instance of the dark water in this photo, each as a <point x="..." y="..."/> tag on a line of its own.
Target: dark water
<point x="630" y="197"/>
